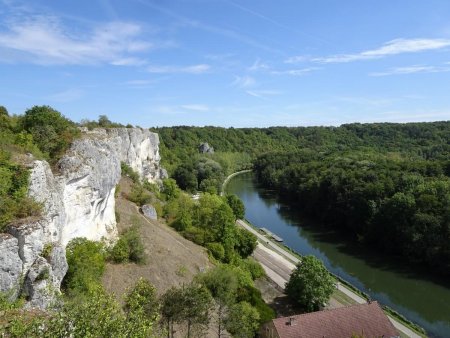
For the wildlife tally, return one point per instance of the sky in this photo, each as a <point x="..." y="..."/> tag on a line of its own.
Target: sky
<point x="230" y="63"/>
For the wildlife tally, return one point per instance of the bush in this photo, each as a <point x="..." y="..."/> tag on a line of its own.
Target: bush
<point x="253" y="296"/>
<point x="217" y="250"/>
<point x="195" y="235"/>
<point x="139" y="195"/>
<point x="128" y="171"/>
<point x="120" y="252"/>
<point x="129" y="247"/>
<point x="252" y="266"/>
<point x="52" y="132"/>
<point x="86" y="261"/>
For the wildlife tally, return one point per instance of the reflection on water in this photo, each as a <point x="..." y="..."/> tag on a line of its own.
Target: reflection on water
<point x="385" y="279"/>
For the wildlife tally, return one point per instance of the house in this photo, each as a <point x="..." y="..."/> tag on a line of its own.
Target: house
<point x="362" y="320"/>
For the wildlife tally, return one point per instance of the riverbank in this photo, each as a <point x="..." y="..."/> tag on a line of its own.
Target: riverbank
<point x="229" y="177"/>
<point x="279" y="261"/>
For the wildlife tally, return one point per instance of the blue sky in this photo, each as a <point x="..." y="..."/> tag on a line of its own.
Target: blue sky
<point x="228" y="62"/>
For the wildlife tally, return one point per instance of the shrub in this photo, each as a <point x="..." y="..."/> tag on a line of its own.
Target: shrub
<point x="129" y="247"/>
<point x="217" y="250"/>
<point x="195" y="235"/>
<point x="52" y="132"/>
<point x="139" y="195"/>
<point x="253" y="296"/>
<point x="47" y="250"/>
<point x="86" y="261"/>
<point x="120" y="252"/>
<point x="128" y="171"/>
<point x="252" y="266"/>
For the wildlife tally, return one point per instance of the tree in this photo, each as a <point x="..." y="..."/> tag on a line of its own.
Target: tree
<point x="310" y="285"/>
<point x="3" y="111"/>
<point x="222" y="283"/>
<point x="52" y="132"/>
<point x="196" y="305"/>
<point x="142" y="307"/>
<point x="246" y="242"/>
<point x="170" y="188"/>
<point x="171" y="309"/>
<point x="236" y="205"/>
<point x="242" y="320"/>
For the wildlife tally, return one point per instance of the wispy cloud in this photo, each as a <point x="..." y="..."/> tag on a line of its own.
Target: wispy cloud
<point x="44" y="40"/>
<point x="263" y="94"/>
<point x="298" y="59"/>
<point x="411" y="70"/>
<point x="258" y="65"/>
<point x="194" y="69"/>
<point x="295" y="72"/>
<point x="244" y="82"/>
<point x="393" y="47"/>
<point x="195" y="107"/>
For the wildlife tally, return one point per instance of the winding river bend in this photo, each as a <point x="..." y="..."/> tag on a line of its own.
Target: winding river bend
<point x="410" y="293"/>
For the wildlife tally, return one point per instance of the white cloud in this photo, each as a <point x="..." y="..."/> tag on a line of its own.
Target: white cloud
<point x="411" y="70"/>
<point x="131" y="61"/>
<point x="194" y="69"/>
<point x="297" y="59"/>
<point x="263" y="94"/>
<point x="196" y="107"/>
<point x="296" y="72"/>
<point x="43" y="40"/>
<point x="393" y="47"/>
<point x="244" y="82"/>
<point x="258" y="66"/>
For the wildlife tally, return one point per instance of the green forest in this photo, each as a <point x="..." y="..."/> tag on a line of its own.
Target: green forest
<point x="386" y="185"/>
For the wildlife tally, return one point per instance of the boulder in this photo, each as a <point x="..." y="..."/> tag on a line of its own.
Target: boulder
<point x="149" y="211"/>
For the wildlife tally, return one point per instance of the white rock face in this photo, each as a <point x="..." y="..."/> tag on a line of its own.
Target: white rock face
<point x="78" y="201"/>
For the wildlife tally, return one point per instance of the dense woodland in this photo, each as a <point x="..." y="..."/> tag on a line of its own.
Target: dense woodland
<point x="385" y="185"/>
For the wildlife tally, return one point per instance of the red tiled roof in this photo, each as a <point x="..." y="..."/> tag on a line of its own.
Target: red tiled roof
<point x="368" y="320"/>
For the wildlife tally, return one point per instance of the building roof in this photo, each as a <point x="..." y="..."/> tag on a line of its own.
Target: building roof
<point x="367" y="320"/>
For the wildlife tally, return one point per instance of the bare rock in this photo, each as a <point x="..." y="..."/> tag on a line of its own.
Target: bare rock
<point x="149" y="211"/>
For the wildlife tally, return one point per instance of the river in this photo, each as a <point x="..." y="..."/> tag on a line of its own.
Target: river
<point x="419" y="299"/>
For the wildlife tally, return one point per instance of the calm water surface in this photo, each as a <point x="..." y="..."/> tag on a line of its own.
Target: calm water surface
<point x="386" y="280"/>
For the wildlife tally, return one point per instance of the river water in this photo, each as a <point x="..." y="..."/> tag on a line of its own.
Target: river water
<point x="419" y="299"/>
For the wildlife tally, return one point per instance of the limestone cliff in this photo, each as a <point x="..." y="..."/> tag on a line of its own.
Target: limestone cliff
<point x="78" y="202"/>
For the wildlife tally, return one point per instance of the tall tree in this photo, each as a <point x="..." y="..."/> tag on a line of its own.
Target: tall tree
<point x="310" y="285"/>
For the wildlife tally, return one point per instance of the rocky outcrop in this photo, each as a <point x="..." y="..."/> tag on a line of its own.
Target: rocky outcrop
<point x="78" y="202"/>
<point x="205" y="148"/>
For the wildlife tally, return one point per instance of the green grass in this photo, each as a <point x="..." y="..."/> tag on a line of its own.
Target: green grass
<point x="343" y="298"/>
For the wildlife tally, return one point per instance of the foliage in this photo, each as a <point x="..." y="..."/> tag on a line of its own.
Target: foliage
<point x="97" y="314"/>
<point x="14" y="202"/>
<point x="170" y="189"/>
<point x="242" y="320"/>
<point x="397" y="204"/>
<point x="252" y="295"/>
<point x="52" y="132"/>
<point x="129" y="172"/>
<point x="86" y="261"/>
<point x="190" y="304"/>
<point x="129" y="247"/>
<point x="142" y="308"/>
<point x="252" y="266"/>
<point x="217" y="250"/>
<point x="246" y="242"/>
<point x="236" y="205"/>
<point x="102" y="122"/>
<point x="310" y="284"/>
<point x="139" y="195"/>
